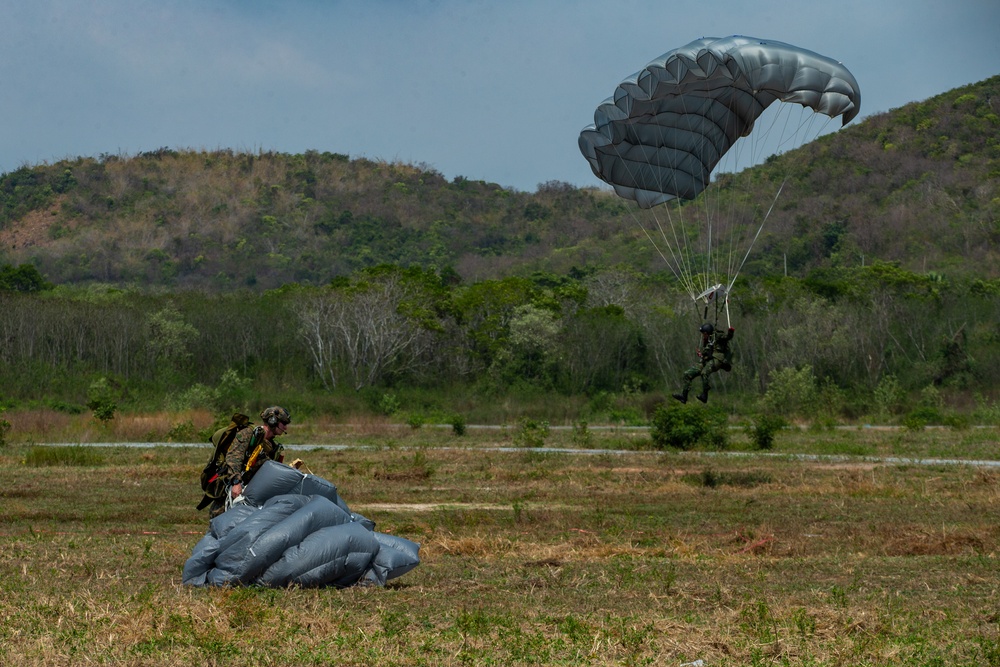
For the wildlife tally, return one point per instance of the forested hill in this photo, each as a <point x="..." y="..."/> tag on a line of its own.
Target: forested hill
<point x="919" y="185"/>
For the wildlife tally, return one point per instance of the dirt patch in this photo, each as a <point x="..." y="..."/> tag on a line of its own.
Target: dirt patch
<point x="861" y="465"/>
<point x="33" y="230"/>
<point x="921" y="543"/>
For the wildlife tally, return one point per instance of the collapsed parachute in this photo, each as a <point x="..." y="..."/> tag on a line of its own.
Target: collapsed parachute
<point x="294" y="529"/>
<point x="668" y="126"/>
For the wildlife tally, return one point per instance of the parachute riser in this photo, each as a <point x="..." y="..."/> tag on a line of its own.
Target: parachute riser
<point x="716" y="298"/>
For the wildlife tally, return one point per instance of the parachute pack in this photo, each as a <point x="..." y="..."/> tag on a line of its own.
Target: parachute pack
<point x="213" y="485"/>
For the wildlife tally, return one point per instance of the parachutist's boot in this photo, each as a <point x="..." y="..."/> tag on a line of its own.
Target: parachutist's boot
<point x="682" y="397"/>
<point x="703" y="396"/>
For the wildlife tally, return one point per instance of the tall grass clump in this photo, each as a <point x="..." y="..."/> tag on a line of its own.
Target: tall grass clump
<point x="70" y="455"/>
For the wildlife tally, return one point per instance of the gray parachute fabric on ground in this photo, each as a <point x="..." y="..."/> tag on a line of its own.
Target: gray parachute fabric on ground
<point x="396" y="556"/>
<point x="276" y="479"/>
<point x="332" y="556"/>
<point x="294" y="529"/>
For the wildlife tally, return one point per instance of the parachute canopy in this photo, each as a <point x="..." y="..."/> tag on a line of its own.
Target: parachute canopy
<point x="294" y="529"/>
<point x="667" y="126"/>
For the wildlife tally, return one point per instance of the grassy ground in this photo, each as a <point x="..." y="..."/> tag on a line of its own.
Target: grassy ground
<point x="528" y="557"/>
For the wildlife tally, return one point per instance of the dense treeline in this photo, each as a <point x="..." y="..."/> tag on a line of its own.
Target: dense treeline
<point x="842" y="344"/>
<point x="174" y="278"/>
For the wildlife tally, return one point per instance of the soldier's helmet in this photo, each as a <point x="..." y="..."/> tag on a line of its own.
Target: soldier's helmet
<point x="275" y="414"/>
<point x="706" y="328"/>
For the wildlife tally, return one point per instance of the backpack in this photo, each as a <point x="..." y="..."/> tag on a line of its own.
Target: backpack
<point x="213" y="485"/>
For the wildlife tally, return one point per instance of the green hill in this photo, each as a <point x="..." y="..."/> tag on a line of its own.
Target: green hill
<point x="919" y="185"/>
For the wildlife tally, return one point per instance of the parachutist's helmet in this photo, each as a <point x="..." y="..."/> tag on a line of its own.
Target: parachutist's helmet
<point x="273" y="415"/>
<point x="706" y="328"/>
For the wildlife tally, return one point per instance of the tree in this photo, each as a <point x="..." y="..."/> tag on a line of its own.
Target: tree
<point x="170" y="338"/>
<point x="530" y="351"/>
<point x="485" y="310"/>
<point x="102" y="399"/>
<point x="603" y="350"/>
<point x="24" y="278"/>
<point x="368" y="330"/>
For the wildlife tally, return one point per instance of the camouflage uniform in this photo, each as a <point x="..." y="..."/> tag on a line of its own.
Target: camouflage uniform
<point x="240" y="452"/>
<point x="715" y="355"/>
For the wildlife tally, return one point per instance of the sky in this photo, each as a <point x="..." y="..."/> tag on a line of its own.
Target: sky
<point x="486" y="90"/>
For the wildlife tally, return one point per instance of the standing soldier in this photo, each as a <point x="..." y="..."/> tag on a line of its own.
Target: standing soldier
<point x="715" y="355"/>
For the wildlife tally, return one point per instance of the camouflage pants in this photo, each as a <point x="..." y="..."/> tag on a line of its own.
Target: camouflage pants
<point x="704" y="371"/>
<point x="217" y="507"/>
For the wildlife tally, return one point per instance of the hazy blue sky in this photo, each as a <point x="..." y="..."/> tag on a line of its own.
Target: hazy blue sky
<point x="494" y="90"/>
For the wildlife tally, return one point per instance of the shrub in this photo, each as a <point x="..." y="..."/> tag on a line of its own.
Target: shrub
<point x="626" y="416"/>
<point x="4" y="430"/>
<point x="762" y="428"/>
<point x="581" y="434"/>
<point x="684" y="426"/>
<point x="233" y="391"/>
<point x="887" y="396"/>
<point x="458" y="425"/>
<point x="710" y="479"/>
<point x="531" y="433"/>
<point x="196" y="396"/>
<point x="183" y="432"/>
<point x="987" y="412"/>
<point x="379" y="402"/>
<point x="102" y="400"/>
<point x="791" y="391"/>
<point x="66" y="407"/>
<point x="917" y="419"/>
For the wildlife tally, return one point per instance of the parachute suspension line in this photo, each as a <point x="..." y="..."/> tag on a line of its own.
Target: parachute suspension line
<point x="680" y="246"/>
<point x="673" y="268"/>
<point x="678" y="249"/>
<point x="638" y="222"/>
<point x="749" y="151"/>
<point x="704" y="230"/>
<point x="791" y="132"/>
<point x="754" y="240"/>
<point x="722" y="207"/>
<point x="804" y="131"/>
<point x="676" y="262"/>
<point x="679" y="262"/>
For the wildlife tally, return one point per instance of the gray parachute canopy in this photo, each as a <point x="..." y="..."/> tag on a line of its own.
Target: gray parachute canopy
<point x="667" y="126"/>
<point x="294" y="529"/>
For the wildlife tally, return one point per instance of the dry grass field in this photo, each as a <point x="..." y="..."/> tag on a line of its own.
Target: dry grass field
<point x="833" y="549"/>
